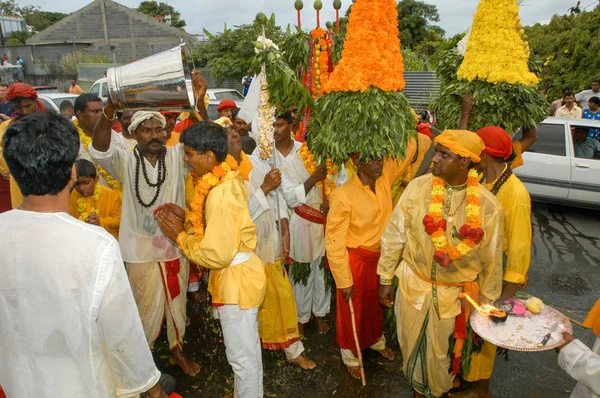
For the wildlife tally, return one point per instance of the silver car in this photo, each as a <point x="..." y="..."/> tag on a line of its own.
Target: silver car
<point x="551" y="171"/>
<point x="52" y="101"/>
<point x="216" y="95"/>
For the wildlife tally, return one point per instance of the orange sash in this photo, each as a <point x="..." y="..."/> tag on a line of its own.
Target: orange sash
<point x="593" y="319"/>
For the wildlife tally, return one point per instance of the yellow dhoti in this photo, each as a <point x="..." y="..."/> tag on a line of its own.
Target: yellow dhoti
<point x="277" y="318"/>
<point x="159" y="289"/>
<point x="482" y="363"/>
<point x="424" y="341"/>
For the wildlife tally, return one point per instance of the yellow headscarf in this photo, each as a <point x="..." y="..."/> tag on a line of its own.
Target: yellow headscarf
<point x="462" y="143"/>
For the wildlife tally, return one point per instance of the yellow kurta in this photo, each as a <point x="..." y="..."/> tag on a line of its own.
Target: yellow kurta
<point x="108" y="206"/>
<point x="173" y="140"/>
<point x="516" y="203"/>
<point x="425" y="313"/>
<point x="229" y="230"/>
<point x="423" y="145"/>
<point x="518" y="151"/>
<point x="357" y="217"/>
<point x="16" y="197"/>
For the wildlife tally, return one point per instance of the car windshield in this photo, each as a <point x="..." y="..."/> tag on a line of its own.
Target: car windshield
<point x="234" y="95"/>
<point x="59" y="100"/>
<point x="212" y="112"/>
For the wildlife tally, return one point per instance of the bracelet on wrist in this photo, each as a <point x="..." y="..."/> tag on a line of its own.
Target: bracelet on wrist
<point x="384" y="281"/>
<point x="106" y="116"/>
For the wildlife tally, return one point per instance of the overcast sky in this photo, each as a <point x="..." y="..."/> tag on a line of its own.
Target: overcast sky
<point x="455" y="15"/>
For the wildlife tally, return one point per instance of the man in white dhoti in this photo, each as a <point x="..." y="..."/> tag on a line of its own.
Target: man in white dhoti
<point x="151" y="175"/>
<point x="68" y="320"/>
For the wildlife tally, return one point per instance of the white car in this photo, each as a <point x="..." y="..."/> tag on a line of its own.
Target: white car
<point x="100" y="88"/>
<point x="216" y="95"/>
<point x="52" y="101"/>
<point x="551" y="171"/>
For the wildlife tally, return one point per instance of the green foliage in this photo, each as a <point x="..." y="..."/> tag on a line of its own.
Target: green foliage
<point x="295" y="50"/>
<point x="415" y="19"/>
<point x="17" y="38"/>
<point x="68" y="63"/>
<point x="285" y="90"/>
<point x="374" y="124"/>
<point x="507" y="105"/>
<point x="40" y="20"/>
<point x="153" y="8"/>
<point x="413" y="62"/>
<point x="230" y="53"/>
<point x="569" y="49"/>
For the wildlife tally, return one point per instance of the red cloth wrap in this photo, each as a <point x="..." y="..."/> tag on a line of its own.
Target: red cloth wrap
<point x="310" y="214"/>
<point x="173" y="268"/>
<point x="367" y="310"/>
<point x="20" y="90"/>
<point x="497" y="141"/>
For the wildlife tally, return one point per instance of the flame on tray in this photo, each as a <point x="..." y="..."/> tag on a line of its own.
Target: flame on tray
<point x="485" y="309"/>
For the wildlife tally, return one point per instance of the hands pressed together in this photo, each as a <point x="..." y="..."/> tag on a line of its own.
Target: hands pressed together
<point x="170" y="218"/>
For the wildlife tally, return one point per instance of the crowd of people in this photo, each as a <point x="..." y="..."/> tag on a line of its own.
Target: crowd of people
<point x="187" y="197"/>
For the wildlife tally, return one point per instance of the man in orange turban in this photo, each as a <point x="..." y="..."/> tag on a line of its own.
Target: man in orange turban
<point x="516" y="203"/>
<point x="448" y="230"/>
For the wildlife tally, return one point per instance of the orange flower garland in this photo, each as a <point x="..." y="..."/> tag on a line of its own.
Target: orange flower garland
<point x="371" y="55"/>
<point x="435" y="223"/>
<point x="202" y="187"/>
<point x="311" y="165"/>
<point x="320" y="67"/>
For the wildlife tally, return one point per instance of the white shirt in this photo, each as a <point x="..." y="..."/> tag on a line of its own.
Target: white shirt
<point x="584" y="97"/>
<point x="583" y="365"/>
<point x="263" y="210"/>
<point x="69" y="326"/>
<point x="307" y="238"/>
<point x="116" y="139"/>
<point x="140" y="236"/>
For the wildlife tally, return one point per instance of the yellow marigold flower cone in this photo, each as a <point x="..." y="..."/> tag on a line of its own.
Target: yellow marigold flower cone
<point x="496" y="51"/>
<point x="371" y="55"/>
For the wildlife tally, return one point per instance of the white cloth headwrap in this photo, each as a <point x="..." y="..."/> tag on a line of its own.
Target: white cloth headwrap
<point x="141" y="116"/>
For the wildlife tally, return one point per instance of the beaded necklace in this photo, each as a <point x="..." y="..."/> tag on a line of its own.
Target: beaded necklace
<point x="500" y="181"/>
<point x="160" y="178"/>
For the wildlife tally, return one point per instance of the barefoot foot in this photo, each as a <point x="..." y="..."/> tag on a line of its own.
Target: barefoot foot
<point x="301" y="329"/>
<point x="198" y="297"/>
<point x="322" y="326"/>
<point x="354" y="371"/>
<point x="303" y="362"/>
<point x="387" y="354"/>
<point x="188" y="366"/>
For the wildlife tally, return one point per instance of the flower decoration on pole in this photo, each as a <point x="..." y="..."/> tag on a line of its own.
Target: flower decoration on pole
<point x="318" y="4"/>
<point x="299" y="5"/>
<point x="497" y="51"/>
<point x="491" y="83"/>
<point x="363" y="110"/>
<point x="337" y="4"/>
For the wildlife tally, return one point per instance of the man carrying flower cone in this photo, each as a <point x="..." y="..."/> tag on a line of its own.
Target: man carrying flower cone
<point x="448" y="230"/>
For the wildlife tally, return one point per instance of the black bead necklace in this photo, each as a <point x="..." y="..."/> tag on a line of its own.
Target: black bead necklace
<point x="501" y="180"/>
<point x="160" y="179"/>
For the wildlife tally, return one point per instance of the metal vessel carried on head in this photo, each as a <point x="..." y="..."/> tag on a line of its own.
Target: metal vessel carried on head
<point x="161" y="81"/>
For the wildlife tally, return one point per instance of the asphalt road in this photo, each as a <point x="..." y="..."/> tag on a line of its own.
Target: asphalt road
<point x="565" y="273"/>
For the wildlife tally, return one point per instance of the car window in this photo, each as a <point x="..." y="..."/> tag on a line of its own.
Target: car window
<point x="60" y="100"/>
<point x="550" y="140"/>
<point x="234" y="95"/>
<point x="212" y="112"/>
<point x="104" y="90"/>
<point x="47" y="105"/>
<point x="95" y="89"/>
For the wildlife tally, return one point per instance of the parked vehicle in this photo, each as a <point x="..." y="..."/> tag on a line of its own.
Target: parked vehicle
<point x="100" y="88"/>
<point x="52" y="101"/>
<point x="551" y="171"/>
<point x="216" y="95"/>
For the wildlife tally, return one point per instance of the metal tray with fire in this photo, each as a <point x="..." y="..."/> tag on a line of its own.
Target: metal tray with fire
<point x="509" y="325"/>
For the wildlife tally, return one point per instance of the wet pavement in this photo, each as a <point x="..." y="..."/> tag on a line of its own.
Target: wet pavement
<point x="564" y="273"/>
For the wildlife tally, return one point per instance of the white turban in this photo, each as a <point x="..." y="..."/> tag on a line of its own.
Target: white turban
<point x="141" y="116"/>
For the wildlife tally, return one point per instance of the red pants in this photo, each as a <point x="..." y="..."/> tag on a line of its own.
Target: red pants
<point x="367" y="310"/>
<point x="5" y="204"/>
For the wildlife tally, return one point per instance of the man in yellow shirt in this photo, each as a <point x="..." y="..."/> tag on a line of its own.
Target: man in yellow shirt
<point x="516" y="203"/>
<point x="172" y="136"/>
<point x="447" y="228"/>
<point x="223" y="239"/>
<point x="358" y="213"/>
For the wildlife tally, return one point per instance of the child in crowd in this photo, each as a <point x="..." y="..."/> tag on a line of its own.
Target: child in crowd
<point x="94" y="203"/>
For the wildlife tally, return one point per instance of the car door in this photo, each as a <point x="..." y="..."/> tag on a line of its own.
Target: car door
<point x="95" y="89"/>
<point x="585" y="175"/>
<point x="546" y="171"/>
<point x="48" y="105"/>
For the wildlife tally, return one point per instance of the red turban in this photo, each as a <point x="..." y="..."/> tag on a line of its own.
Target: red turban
<point x="497" y="141"/>
<point x="226" y="104"/>
<point x="171" y="113"/>
<point x="21" y="90"/>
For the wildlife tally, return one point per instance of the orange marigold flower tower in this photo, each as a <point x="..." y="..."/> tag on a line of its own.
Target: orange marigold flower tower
<point x="363" y="110"/>
<point x="497" y="51"/>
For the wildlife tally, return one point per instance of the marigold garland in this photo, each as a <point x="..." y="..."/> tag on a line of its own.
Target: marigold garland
<point x="497" y="50"/>
<point x="87" y="141"/>
<point x="311" y="165"/>
<point x="202" y="187"/>
<point x="371" y="55"/>
<point x="320" y="43"/>
<point x="82" y="204"/>
<point x="435" y="223"/>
